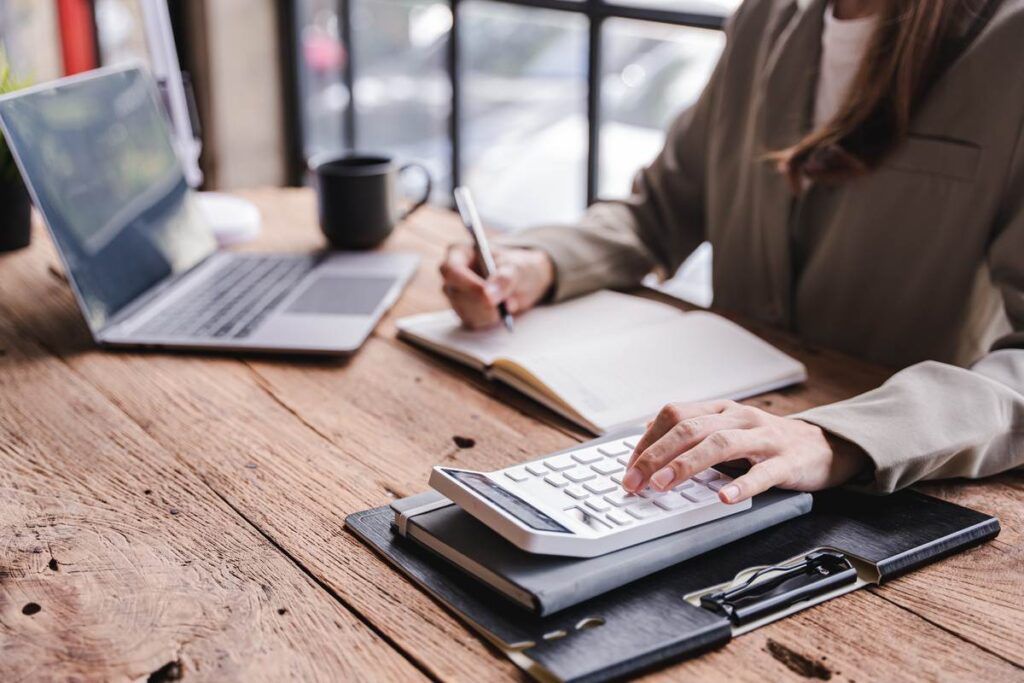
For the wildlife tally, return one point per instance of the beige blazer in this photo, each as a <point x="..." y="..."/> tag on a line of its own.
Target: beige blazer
<point x="918" y="265"/>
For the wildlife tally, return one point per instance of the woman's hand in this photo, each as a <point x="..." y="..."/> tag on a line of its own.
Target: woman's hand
<point x="687" y="438"/>
<point x="523" y="278"/>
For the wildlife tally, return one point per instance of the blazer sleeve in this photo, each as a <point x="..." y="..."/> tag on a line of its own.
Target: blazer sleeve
<point x="934" y="420"/>
<point x="617" y="243"/>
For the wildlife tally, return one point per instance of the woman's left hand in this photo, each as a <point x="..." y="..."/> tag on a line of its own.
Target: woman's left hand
<point x="687" y="438"/>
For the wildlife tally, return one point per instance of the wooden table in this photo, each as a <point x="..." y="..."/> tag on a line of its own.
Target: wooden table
<point x="181" y="516"/>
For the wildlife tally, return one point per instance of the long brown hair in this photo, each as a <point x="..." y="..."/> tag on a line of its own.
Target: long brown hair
<point x="914" y="43"/>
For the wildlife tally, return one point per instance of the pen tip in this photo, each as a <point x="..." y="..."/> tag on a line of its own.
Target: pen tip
<point x="508" y="323"/>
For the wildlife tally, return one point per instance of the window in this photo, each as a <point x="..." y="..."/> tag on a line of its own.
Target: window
<point x="540" y="106"/>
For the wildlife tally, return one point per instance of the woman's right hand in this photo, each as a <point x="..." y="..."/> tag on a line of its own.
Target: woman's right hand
<point x="523" y="277"/>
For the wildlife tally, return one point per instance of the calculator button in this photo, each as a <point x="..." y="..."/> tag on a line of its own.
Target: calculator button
<point x="613" y="449"/>
<point x="673" y="502"/>
<point x="705" y="476"/>
<point x="630" y="444"/>
<point x="560" y="462"/>
<point x="606" y="468"/>
<point x="621" y="499"/>
<point x="598" y="505"/>
<point x="717" y="484"/>
<point x="699" y="494"/>
<point x="537" y="469"/>
<point x="617" y="478"/>
<point x="623" y="460"/>
<point x="578" y="474"/>
<point x="591" y="520"/>
<point x="557" y="480"/>
<point x="619" y="518"/>
<point x="586" y="457"/>
<point x="600" y="486"/>
<point x="683" y="486"/>
<point x="650" y="493"/>
<point x="577" y="492"/>
<point x="643" y="511"/>
<point x="517" y="475"/>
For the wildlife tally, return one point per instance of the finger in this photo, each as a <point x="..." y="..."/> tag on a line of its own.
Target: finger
<point x="501" y="284"/>
<point x="476" y="318"/>
<point x="678" y="440"/>
<point x="689" y="432"/>
<point x="458" y="269"/>
<point x="461" y="255"/>
<point x="669" y="416"/>
<point x="514" y="304"/>
<point x="721" y="446"/>
<point x="474" y="311"/>
<point x="460" y="281"/>
<point x="760" y="478"/>
<point x="461" y="277"/>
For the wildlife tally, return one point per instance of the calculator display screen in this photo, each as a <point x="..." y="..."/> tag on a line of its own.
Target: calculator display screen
<point x="507" y="501"/>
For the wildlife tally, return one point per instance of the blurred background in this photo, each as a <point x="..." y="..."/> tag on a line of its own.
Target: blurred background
<point x="540" y="106"/>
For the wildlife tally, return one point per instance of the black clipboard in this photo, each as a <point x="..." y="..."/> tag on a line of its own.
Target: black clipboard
<point x="847" y="541"/>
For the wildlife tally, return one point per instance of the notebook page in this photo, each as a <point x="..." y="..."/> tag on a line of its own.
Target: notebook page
<point x="558" y="327"/>
<point x="625" y="379"/>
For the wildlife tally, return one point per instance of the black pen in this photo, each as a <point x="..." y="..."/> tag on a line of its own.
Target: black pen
<point x="471" y="219"/>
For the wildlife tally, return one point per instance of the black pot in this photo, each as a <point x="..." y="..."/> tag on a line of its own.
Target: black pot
<point x="15" y="215"/>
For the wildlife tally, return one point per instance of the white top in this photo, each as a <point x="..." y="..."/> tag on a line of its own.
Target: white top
<point x="843" y="44"/>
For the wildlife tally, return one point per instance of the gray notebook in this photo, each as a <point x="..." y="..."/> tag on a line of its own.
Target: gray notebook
<point x="546" y="584"/>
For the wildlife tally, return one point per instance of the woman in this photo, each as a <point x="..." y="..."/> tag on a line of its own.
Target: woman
<point x="859" y="169"/>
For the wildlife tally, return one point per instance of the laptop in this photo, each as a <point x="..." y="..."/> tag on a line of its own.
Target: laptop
<point x="96" y="156"/>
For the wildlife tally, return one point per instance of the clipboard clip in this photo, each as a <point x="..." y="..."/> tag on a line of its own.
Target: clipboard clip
<point x="773" y="589"/>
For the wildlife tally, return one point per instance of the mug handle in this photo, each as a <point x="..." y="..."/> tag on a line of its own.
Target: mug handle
<point x="426" y="191"/>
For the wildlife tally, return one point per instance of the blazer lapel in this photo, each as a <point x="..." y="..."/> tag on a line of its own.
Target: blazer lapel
<point x="787" y="95"/>
<point x="791" y="76"/>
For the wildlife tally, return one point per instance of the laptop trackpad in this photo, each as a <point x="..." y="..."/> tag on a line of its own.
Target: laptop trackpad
<point x="341" y="295"/>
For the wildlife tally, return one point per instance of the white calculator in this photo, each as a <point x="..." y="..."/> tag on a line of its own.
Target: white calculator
<point x="572" y="503"/>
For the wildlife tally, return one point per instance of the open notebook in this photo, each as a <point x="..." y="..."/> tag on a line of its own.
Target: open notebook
<point x="609" y="360"/>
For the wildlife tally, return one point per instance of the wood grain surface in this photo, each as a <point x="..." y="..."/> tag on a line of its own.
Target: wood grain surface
<point x="187" y="499"/>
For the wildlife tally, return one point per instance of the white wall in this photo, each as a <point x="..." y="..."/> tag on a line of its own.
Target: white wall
<point x="245" y="135"/>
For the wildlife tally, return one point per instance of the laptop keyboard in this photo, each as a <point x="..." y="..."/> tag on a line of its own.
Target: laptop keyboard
<point x="235" y="299"/>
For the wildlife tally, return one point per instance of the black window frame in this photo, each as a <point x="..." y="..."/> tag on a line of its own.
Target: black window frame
<point x="595" y="12"/>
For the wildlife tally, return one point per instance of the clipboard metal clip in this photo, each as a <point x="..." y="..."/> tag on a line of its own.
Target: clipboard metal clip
<point x="773" y="589"/>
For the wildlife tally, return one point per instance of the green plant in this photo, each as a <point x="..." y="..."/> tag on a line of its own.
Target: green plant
<point x="8" y="83"/>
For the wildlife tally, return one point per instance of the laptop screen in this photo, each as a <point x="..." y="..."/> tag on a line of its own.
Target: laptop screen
<point x="95" y="152"/>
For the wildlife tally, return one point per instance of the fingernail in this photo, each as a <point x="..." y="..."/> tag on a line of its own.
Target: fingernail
<point x="662" y="478"/>
<point x="731" y="492"/>
<point x="493" y="290"/>
<point x="632" y="480"/>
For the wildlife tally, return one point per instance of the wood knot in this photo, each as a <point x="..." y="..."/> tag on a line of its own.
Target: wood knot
<point x="282" y="611"/>
<point x="52" y="564"/>
<point x="798" y="663"/>
<point x="56" y="273"/>
<point x="31" y="608"/>
<point x="171" y="671"/>
<point x="464" y="441"/>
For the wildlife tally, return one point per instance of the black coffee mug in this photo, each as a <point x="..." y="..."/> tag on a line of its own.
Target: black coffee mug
<point x="358" y="198"/>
